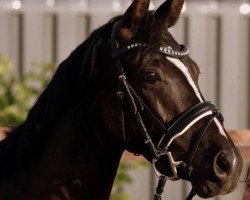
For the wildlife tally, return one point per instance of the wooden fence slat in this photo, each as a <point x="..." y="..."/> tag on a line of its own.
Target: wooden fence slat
<point x="67" y="33"/>
<point x="48" y="53"/>
<point x="33" y="39"/>
<point x="4" y="34"/>
<point x="16" y="40"/>
<point x="83" y="28"/>
<point x="233" y="99"/>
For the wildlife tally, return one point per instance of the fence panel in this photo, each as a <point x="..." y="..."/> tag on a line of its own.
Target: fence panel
<point x="234" y="100"/>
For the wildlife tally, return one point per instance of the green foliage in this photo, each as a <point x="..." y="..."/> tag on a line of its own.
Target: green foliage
<point x="123" y="178"/>
<point x="17" y="94"/>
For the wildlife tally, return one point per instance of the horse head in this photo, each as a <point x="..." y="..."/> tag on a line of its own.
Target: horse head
<point x="153" y="105"/>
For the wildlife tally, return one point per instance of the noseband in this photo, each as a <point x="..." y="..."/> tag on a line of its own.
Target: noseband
<point x="178" y="126"/>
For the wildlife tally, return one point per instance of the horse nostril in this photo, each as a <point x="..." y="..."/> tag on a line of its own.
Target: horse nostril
<point x="222" y="165"/>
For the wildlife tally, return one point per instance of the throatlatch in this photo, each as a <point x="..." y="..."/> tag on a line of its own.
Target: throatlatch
<point x="126" y="93"/>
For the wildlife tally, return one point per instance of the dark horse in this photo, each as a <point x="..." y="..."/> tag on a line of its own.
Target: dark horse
<point x="130" y="86"/>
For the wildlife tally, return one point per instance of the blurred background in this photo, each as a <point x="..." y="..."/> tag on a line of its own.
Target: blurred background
<point x="36" y="35"/>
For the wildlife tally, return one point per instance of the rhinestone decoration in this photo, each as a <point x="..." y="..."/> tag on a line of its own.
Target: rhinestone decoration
<point x="134" y="45"/>
<point x="169" y="51"/>
<point x="174" y="53"/>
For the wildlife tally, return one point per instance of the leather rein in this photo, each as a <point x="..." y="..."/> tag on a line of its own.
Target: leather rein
<point x="126" y="93"/>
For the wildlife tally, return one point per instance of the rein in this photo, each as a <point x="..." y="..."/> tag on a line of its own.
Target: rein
<point x="178" y="126"/>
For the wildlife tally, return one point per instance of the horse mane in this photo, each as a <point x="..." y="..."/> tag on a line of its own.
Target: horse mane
<point x="72" y="81"/>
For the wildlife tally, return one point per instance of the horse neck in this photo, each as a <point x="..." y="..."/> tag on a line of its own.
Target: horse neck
<point x="92" y="155"/>
<point x="80" y="152"/>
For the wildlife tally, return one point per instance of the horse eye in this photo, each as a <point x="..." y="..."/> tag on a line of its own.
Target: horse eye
<point x="151" y="77"/>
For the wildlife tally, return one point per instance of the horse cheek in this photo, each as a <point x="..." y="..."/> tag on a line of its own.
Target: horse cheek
<point x="109" y="109"/>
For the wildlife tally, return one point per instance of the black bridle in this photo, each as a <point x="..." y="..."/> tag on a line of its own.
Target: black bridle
<point x="179" y="125"/>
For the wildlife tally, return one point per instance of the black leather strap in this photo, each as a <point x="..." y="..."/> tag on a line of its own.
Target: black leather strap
<point x="160" y="188"/>
<point x="199" y="137"/>
<point x="179" y="123"/>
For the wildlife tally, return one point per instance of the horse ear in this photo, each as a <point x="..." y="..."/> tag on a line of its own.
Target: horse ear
<point x="169" y="12"/>
<point x="131" y="20"/>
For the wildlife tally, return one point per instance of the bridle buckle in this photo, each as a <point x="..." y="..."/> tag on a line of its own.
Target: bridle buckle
<point x="120" y="95"/>
<point x="173" y="164"/>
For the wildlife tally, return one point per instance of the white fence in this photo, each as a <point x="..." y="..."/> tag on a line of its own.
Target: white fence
<point x="218" y="36"/>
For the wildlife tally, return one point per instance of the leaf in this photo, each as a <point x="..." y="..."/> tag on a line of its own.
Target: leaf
<point x="18" y="94"/>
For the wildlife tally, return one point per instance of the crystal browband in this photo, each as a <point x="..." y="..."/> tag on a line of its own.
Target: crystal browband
<point x="174" y="53"/>
<point x="164" y="50"/>
<point x="134" y="45"/>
